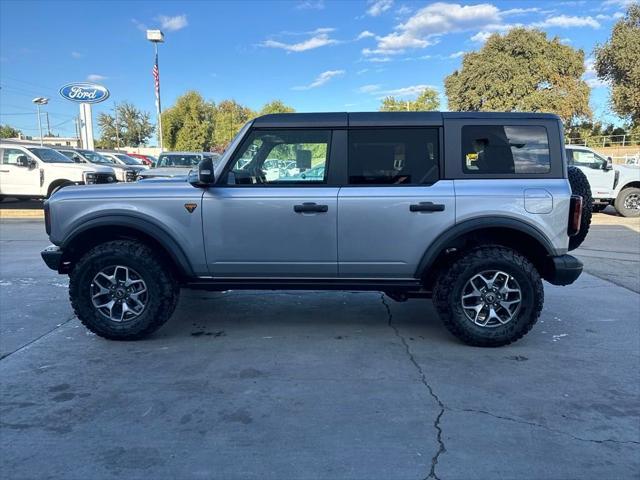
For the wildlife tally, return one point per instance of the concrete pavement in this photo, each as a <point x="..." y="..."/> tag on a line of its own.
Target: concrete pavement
<point x="313" y="385"/>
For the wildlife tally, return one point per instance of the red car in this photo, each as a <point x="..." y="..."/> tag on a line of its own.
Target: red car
<point x="146" y="159"/>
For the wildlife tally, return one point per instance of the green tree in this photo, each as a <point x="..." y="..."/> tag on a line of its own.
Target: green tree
<point x="618" y="62"/>
<point x="230" y="116"/>
<point x="7" y="131"/>
<point x="189" y="124"/>
<point x="276" y="106"/>
<point x="427" y="101"/>
<point x="521" y="71"/>
<point x="132" y="129"/>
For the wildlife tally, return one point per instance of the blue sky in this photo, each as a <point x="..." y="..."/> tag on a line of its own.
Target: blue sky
<point x="316" y="55"/>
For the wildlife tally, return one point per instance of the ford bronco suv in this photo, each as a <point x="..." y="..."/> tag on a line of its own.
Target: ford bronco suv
<point x="471" y="209"/>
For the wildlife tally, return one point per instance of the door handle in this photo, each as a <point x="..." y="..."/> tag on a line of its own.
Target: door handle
<point x="310" y="207"/>
<point x="4" y="171"/>
<point x="426" y="207"/>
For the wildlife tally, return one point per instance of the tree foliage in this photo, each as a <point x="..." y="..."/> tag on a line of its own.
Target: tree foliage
<point x="132" y="129"/>
<point x="7" y="131"/>
<point x="427" y="101"/>
<point x="521" y="71"/>
<point x="618" y="62"/>
<point x="194" y="124"/>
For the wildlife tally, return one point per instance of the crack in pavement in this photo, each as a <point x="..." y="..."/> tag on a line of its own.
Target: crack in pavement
<point x="539" y="425"/>
<point x="31" y="342"/>
<point x="423" y="379"/>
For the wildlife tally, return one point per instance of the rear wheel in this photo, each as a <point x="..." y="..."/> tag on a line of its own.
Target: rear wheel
<point x="580" y="186"/>
<point x="628" y="202"/>
<point x="122" y="290"/>
<point x="490" y="297"/>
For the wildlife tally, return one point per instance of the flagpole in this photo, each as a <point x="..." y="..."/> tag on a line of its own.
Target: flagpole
<point x="159" y="107"/>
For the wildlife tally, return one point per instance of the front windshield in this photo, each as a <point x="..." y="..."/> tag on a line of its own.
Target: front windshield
<point x="179" y="160"/>
<point x="127" y="159"/>
<point x="48" y="155"/>
<point x="94" y="157"/>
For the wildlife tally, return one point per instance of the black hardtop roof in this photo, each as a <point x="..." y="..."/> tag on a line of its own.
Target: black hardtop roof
<point x="385" y="119"/>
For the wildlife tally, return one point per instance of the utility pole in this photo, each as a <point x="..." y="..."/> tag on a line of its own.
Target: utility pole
<point x="48" y="127"/>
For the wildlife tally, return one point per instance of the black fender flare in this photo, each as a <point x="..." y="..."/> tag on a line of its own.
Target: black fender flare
<point x="468" y="226"/>
<point x="141" y="224"/>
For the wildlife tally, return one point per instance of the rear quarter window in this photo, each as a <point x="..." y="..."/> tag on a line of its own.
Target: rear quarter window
<point x="505" y="149"/>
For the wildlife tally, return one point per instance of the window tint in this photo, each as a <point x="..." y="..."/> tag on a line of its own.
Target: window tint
<point x="393" y="156"/>
<point x="10" y="156"/>
<point x="504" y="149"/>
<point x="282" y="157"/>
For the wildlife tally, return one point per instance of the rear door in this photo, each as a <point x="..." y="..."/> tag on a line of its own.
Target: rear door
<point x="275" y="223"/>
<point x="393" y="204"/>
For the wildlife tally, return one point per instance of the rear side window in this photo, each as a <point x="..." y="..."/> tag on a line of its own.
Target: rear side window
<point x="403" y="156"/>
<point x="504" y="149"/>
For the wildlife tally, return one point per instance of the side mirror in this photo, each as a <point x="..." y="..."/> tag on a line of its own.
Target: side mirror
<point x="205" y="176"/>
<point x="22" y="161"/>
<point x="608" y="165"/>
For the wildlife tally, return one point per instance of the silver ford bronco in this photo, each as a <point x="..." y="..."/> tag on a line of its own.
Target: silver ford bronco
<point x="470" y="209"/>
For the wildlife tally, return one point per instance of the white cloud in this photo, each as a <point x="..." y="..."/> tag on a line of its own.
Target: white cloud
<point x="568" y="21"/>
<point x="172" y="24"/>
<point x="617" y="3"/>
<point x="139" y="25"/>
<point x="310" y="5"/>
<point x="321" y="79"/>
<point x="481" y="37"/>
<point x="457" y="54"/>
<point x="77" y="55"/>
<point x="406" y="92"/>
<point x="614" y="16"/>
<point x="365" y="34"/>
<point x="94" y="77"/>
<point x="378" y="7"/>
<point x="403" y="10"/>
<point x="437" y="19"/>
<point x="364" y="70"/>
<point x="520" y="11"/>
<point x="369" y="88"/>
<point x="319" y="39"/>
<point x="590" y="76"/>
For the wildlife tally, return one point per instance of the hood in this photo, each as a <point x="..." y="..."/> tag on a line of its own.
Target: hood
<point x="165" y="172"/>
<point x="83" y="167"/>
<point x="630" y="169"/>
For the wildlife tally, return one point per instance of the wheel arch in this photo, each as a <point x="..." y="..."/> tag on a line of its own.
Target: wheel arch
<point x="113" y="227"/>
<point x="631" y="184"/>
<point x="504" y="231"/>
<point x="58" y="182"/>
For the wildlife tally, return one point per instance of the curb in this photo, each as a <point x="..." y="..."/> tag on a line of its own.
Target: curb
<point x="15" y="213"/>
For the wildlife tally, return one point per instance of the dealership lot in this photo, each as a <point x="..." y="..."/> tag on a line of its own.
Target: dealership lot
<point x="321" y="385"/>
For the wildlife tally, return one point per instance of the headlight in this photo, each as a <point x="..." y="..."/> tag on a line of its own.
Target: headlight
<point x="89" y="178"/>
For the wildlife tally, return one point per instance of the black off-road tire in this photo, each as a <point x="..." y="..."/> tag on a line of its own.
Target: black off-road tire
<point x="580" y="186"/>
<point x="623" y="197"/>
<point x="163" y="289"/>
<point x="447" y="296"/>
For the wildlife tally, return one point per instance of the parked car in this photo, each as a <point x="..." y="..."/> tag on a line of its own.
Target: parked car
<point x="29" y="171"/>
<point x="176" y="164"/>
<point x="398" y="209"/>
<point x="123" y="159"/>
<point x="148" y="160"/>
<point x="123" y="173"/>
<point x="617" y="185"/>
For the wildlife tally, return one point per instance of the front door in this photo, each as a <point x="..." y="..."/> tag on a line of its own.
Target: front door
<point x="273" y="214"/>
<point x="19" y="174"/>
<point x="592" y="164"/>
<point x="394" y="205"/>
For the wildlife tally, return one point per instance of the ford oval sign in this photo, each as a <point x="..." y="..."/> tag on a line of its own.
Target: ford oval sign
<point x="84" y="92"/>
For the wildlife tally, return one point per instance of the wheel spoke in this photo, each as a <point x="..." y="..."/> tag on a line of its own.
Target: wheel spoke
<point x="491" y="298"/>
<point x="119" y="293"/>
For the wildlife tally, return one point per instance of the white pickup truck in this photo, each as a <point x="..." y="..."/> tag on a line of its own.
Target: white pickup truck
<point x="29" y="171"/>
<point x="617" y="185"/>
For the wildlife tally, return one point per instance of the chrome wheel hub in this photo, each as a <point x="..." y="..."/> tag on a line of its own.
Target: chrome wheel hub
<point x="491" y="298"/>
<point x="632" y="202"/>
<point x="119" y="293"/>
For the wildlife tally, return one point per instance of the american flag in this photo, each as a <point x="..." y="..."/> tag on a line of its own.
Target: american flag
<point x="156" y="78"/>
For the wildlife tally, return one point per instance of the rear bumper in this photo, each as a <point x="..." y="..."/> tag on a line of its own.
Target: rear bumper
<point x="52" y="256"/>
<point x="564" y="270"/>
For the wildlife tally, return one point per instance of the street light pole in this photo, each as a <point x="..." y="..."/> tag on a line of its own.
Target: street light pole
<point x="40" y="101"/>
<point x="156" y="37"/>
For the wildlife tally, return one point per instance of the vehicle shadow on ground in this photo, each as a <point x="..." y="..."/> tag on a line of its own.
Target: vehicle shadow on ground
<point x="17" y="204"/>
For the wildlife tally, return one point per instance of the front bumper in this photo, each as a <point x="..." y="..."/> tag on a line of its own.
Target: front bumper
<point x="564" y="270"/>
<point x="52" y="256"/>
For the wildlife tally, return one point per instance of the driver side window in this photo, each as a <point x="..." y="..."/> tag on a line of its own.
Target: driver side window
<point x="584" y="158"/>
<point x="281" y="157"/>
<point x="10" y="156"/>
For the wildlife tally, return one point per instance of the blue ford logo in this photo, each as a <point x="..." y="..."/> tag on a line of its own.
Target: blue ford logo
<point x="84" y="92"/>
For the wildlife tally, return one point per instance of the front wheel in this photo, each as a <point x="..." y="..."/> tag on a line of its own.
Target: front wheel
<point x="628" y="202"/>
<point x="122" y="290"/>
<point x="491" y="296"/>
